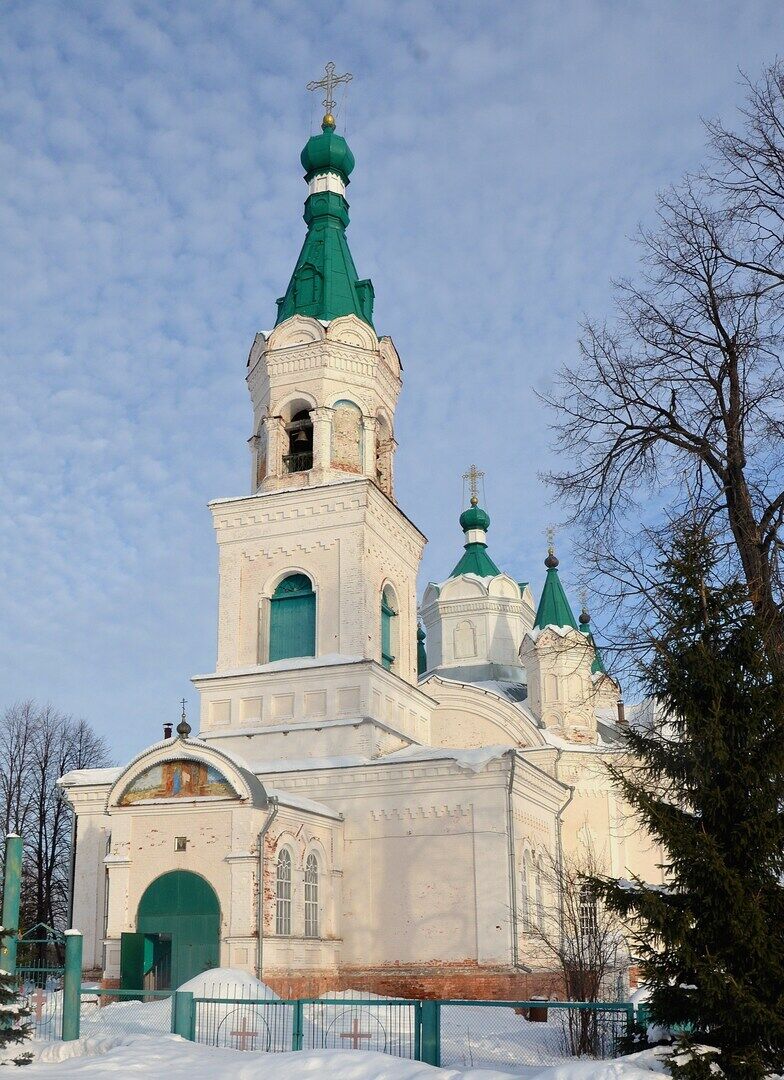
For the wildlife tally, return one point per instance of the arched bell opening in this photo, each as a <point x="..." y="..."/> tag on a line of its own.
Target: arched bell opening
<point x="299" y="430"/>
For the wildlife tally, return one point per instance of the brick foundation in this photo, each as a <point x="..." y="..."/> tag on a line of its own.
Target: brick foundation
<point x="445" y="981"/>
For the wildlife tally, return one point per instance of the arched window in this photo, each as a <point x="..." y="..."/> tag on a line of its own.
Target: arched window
<point x="540" y="912"/>
<point x="388" y="627"/>
<point x="550" y="688"/>
<point x="465" y="640"/>
<point x="293" y="619"/>
<point x="283" y="893"/>
<point x="307" y="289"/>
<point x="300" y="432"/>
<point x="525" y="896"/>
<point x="311" y="897"/>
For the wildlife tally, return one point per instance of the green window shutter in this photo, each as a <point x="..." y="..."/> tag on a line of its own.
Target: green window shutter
<point x="387" y="615"/>
<point x="293" y="619"/>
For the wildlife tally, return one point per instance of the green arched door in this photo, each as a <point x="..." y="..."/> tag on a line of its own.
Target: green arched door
<point x="183" y="906"/>
<point x="293" y="619"/>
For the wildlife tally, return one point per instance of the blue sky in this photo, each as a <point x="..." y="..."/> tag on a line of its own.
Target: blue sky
<point x="151" y="214"/>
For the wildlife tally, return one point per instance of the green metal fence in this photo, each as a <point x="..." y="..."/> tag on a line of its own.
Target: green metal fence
<point x="127" y="1012"/>
<point x="40" y="968"/>
<point x="472" y="1034"/>
<point x="499" y="1034"/>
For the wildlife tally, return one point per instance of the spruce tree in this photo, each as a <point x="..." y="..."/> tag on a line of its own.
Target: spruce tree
<point x="707" y="780"/>
<point x="13" y="1021"/>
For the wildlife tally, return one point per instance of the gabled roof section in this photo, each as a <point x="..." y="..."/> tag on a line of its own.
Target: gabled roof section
<point x="475" y="560"/>
<point x="554" y="609"/>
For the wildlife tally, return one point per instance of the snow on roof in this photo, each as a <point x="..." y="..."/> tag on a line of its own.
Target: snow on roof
<point x="535" y="631"/>
<point x="83" y="777"/>
<point x="292" y="664"/>
<point x="302" y="725"/>
<point x="299" y="802"/>
<point x="471" y="760"/>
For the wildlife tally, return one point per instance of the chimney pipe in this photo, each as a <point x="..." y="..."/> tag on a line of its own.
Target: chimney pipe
<point x="621" y="711"/>
<point x="167" y="731"/>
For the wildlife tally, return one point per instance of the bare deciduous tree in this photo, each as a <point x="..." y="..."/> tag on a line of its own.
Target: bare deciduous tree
<point x="680" y="398"/>
<point x="37" y="745"/>
<point x="584" y="939"/>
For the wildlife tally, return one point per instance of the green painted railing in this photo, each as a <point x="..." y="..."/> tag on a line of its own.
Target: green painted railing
<point x="431" y="1031"/>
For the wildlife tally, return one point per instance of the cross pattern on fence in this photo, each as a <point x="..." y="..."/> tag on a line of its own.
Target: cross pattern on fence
<point x="465" y="1034"/>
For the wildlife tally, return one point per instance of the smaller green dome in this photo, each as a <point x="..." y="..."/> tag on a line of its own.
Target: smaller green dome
<point x="474" y="518"/>
<point x="327" y="152"/>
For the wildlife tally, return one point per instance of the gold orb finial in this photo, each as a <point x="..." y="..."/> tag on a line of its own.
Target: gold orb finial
<point x="474" y="500"/>
<point x="328" y="121"/>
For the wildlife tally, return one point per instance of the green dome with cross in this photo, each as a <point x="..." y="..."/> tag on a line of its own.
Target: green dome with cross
<point x="475" y="522"/>
<point x="327" y="152"/>
<point x="325" y="284"/>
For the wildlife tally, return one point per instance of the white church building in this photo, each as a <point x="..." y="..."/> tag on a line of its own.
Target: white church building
<point x="369" y="802"/>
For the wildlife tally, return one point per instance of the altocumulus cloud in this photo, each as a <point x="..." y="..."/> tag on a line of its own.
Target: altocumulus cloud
<point x="150" y="216"/>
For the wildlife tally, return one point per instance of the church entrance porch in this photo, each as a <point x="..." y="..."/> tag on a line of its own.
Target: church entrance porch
<point x="177" y="933"/>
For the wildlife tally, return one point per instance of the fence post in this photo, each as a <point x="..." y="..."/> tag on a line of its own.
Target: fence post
<point x="431" y="1032"/>
<point x="72" y="984"/>
<point x="12" y="887"/>
<point x="184" y="1015"/>
<point x="296" y="1027"/>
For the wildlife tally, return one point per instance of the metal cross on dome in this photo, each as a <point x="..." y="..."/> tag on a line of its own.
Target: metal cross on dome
<point x="473" y="476"/>
<point x="328" y="83"/>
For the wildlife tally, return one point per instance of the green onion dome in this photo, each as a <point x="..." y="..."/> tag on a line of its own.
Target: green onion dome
<point x="327" y="152"/>
<point x="474" y="518"/>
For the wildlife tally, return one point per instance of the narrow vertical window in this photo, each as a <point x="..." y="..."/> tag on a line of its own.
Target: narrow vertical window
<point x="388" y="628"/>
<point x="539" y="899"/>
<point x="311" y="897"/>
<point x="588" y="914"/>
<point x="525" y="896"/>
<point x="283" y="893"/>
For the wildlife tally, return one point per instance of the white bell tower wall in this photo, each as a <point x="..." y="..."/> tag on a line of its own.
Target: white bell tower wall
<point x="346" y="380"/>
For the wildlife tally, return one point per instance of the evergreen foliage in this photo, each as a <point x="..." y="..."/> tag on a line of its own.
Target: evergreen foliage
<point x="13" y="1015"/>
<point x="707" y="780"/>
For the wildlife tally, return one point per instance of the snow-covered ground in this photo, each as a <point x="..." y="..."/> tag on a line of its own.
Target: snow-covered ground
<point x="232" y="1034"/>
<point x="172" y="1058"/>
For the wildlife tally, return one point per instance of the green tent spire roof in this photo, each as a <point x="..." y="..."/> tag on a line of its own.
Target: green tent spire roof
<point x="475" y="522"/>
<point x="585" y="626"/>
<point x="554" y="609"/>
<point x="325" y="283"/>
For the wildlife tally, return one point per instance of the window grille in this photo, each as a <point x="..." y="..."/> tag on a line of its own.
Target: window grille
<point x="589" y="921"/>
<point x="283" y="893"/>
<point x="311" y="897"/>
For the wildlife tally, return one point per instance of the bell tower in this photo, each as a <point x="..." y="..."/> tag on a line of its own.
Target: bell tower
<point x="318" y="564"/>
<point x="323" y="385"/>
